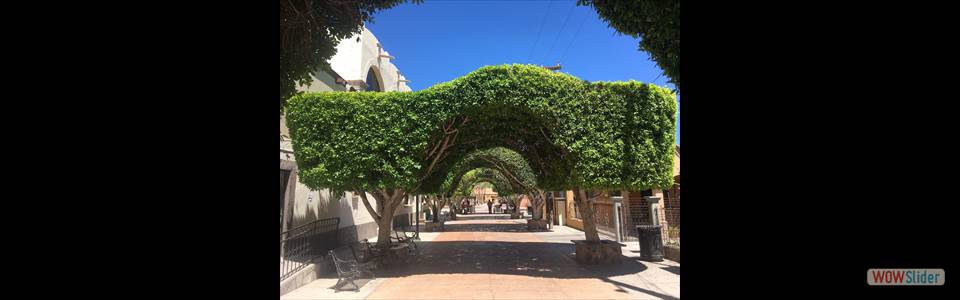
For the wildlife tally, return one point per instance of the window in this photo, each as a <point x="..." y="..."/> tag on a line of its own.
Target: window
<point x="576" y="210"/>
<point x="373" y="81"/>
<point x="646" y="193"/>
<point x="614" y="194"/>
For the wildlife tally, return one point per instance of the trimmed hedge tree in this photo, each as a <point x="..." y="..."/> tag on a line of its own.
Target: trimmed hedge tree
<point x="575" y="134"/>
<point x="656" y="23"/>
<point x="461" y="186"/>
<point x="510" y="164"/>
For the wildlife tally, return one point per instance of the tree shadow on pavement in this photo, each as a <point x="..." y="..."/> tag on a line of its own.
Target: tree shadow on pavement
<point x="538" y="259"/>
<point x="639" y="289"/>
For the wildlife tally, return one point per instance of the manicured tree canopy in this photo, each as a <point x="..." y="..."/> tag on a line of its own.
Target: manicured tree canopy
<point x="500" y="183"/>
<point x="510" y="164"/>
<point x="505" y="162"/>
<point x="599" y="136"/>
<point x="656" y="23"/>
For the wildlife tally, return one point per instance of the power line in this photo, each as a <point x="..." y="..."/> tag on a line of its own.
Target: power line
<point x="564" y="54"/>
<point x="570" y="13"/>
<point x="542" y="22"/>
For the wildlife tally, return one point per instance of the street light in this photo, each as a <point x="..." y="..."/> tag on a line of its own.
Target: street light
<point x="416" y="235"/>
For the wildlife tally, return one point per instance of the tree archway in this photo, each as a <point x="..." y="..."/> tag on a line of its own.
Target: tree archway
<point x="575" y="135"/>
<point x="459" y="185"/>
<point x="517" y="175"/>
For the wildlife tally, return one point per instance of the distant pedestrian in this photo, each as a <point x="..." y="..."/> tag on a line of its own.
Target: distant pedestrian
<point x="490" y="206"/>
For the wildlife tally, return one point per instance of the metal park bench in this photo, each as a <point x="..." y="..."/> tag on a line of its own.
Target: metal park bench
<point x="349" y="269"/>
<point x="401" y="238"/>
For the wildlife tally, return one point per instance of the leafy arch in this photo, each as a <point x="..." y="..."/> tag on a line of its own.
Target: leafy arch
<point x="508" y="164"/>
<point x="575" y="134"/>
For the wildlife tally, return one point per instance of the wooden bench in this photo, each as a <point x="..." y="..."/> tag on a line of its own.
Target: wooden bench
<point x="349" y="269"/>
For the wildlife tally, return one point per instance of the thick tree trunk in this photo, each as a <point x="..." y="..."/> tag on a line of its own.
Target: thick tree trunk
<point x="586" y="212"/>
<point x="388" y="203"/>
<point x="436" y="213"/>
<point x="538" y="200"/>
<point x="384" y="232"/>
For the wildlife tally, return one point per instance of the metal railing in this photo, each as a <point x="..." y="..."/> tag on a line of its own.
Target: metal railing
<point x="673" y="235"/>
<point x="300" y="245"/>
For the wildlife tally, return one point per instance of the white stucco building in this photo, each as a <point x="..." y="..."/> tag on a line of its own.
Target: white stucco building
<point x="361" y="64"/>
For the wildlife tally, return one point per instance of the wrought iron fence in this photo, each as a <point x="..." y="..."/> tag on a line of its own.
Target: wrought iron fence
<point x="673" y="235"/>
<point x="300" y="245"/>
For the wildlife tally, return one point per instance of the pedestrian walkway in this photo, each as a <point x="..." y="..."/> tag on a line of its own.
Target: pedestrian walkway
<point x="484" y="256"/>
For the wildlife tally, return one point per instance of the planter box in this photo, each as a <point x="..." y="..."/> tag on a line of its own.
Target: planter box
<point x="603" y="252"/>
<point x="672" y="252"/>
<point x="537" y="225"/>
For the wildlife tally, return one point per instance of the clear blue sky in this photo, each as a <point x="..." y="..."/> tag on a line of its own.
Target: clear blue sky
<point x="437" y="41"/>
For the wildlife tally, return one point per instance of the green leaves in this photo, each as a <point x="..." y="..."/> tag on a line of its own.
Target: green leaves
<point x="537" y="128"/>
<point x="657" y="23"/>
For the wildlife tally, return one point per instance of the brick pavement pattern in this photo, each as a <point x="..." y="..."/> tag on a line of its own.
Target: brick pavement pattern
<point x="488" y="256"/>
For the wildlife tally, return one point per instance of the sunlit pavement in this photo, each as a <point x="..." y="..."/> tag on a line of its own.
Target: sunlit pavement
<point x="484" y="256"/>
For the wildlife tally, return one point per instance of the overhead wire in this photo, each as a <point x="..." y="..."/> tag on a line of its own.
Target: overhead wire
<point x="542" y="22"/>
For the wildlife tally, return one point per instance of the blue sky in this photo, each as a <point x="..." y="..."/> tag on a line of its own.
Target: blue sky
<point x="437" y="41"/>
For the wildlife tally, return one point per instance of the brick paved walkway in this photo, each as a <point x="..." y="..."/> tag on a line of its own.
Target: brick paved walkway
<point x="483" y="256"/>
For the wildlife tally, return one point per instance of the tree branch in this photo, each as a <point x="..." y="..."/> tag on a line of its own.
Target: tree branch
<point x="366" y="203"/>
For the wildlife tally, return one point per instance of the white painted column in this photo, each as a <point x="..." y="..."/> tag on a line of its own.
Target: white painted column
<point x="617" y="204"/>
<point x="658" y="217"/>
<point x="654" y="202"/>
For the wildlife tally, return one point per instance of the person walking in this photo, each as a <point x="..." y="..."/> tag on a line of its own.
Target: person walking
<point x="490" y="206"/>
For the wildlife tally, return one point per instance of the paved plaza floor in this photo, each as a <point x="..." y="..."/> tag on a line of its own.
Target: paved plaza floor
<point x="484" y="256"/>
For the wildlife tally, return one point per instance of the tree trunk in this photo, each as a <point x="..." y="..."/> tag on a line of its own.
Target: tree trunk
<point x="586" y="212"/>
<point x="389" y="202"/>
<point x="436" y="213"/>
<point x="538" y="200"/>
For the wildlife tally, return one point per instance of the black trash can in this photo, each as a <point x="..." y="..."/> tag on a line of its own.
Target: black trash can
<point x="651" y="242"/>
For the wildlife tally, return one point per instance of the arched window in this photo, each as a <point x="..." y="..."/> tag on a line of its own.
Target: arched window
<point x="373" y="81"/>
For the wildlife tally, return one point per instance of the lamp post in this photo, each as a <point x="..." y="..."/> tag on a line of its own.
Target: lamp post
<point x="416" y="235"/>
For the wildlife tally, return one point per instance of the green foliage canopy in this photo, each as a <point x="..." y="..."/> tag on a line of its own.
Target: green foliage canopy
<point x="500" y="183"/>
<point x="508" y="164"/>
<point x="656" y="23"/>
<point x="573" y="133"/>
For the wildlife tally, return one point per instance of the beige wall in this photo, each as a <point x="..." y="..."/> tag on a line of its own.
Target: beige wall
<point x="605" y="212"/>
<point x="309" y="205"/>
<point x="484" y="194"/>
